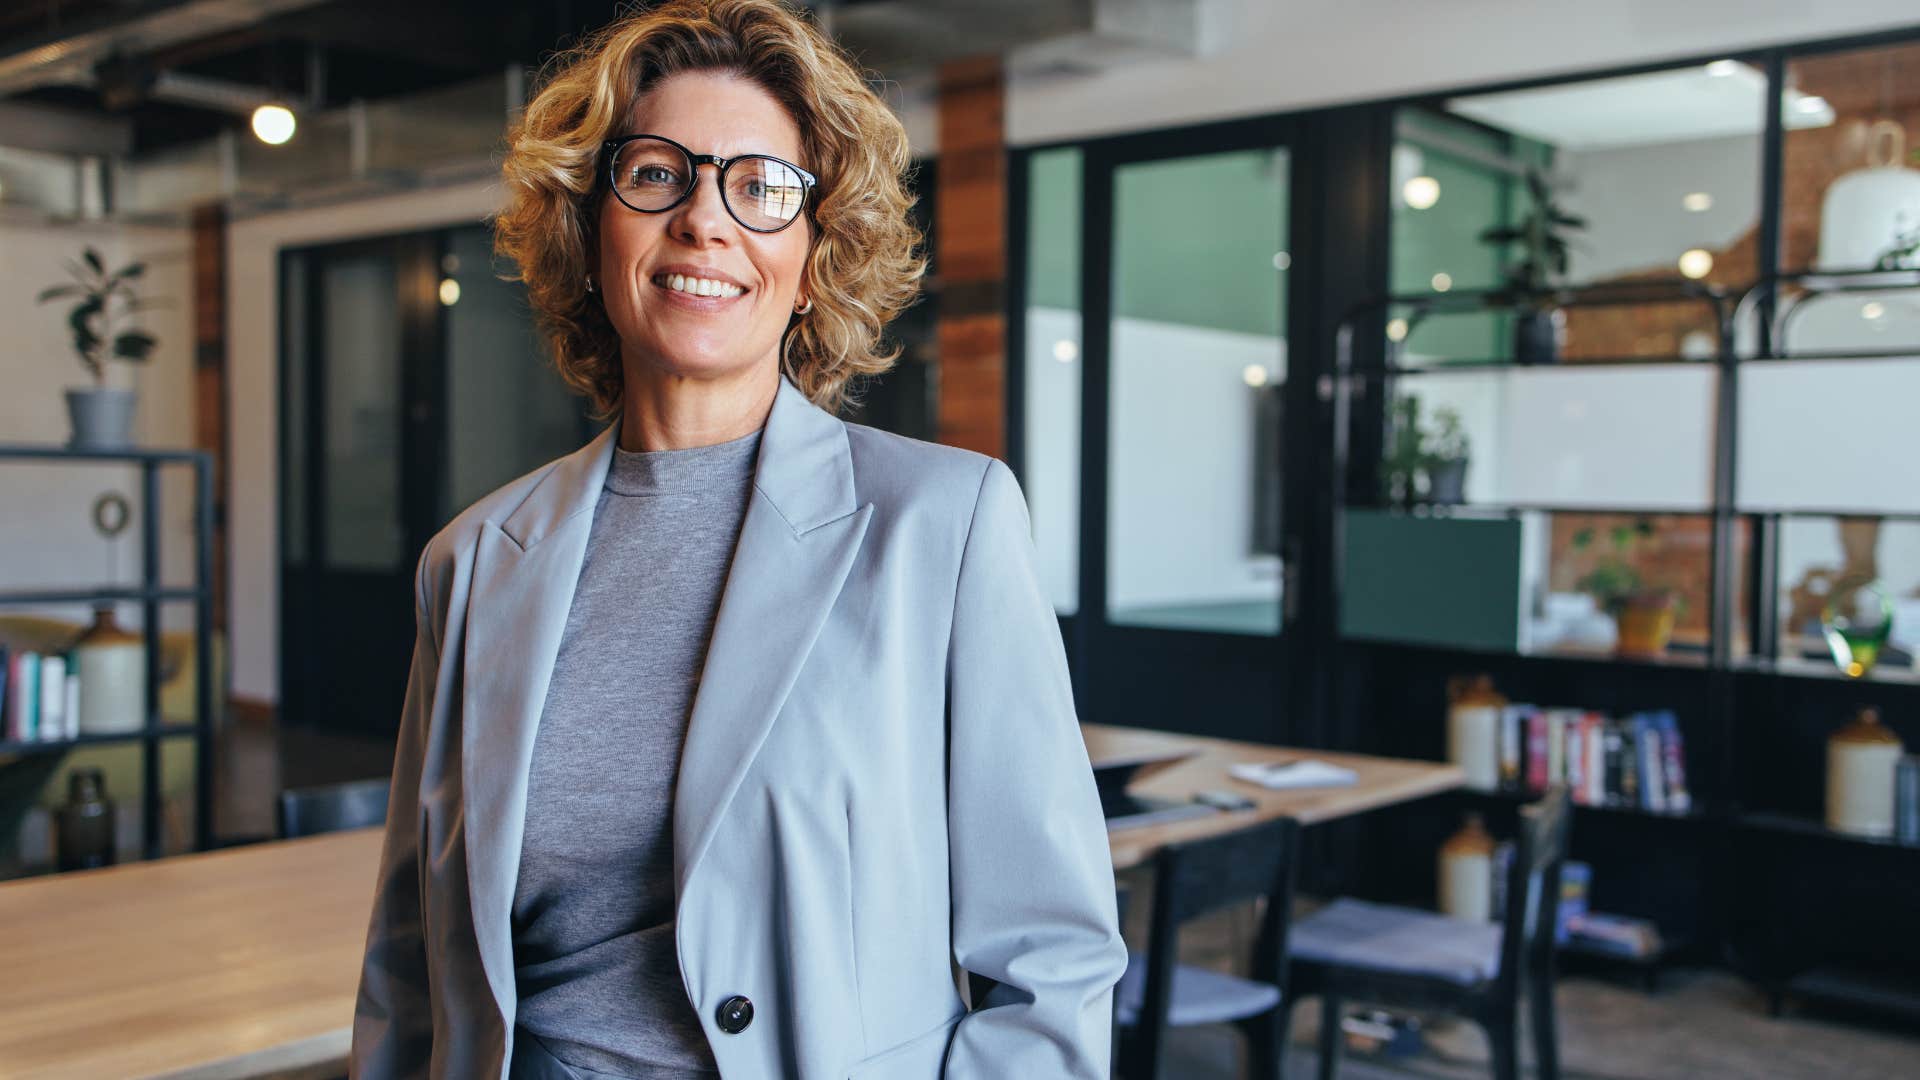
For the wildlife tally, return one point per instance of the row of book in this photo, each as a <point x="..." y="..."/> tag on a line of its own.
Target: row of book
<point x="1636" y="761"/>
<point x="39" y="696"/>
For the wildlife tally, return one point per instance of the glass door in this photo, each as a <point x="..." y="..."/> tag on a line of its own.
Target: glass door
<point x="413" y="383"/>
<point x="1184" y="580"/>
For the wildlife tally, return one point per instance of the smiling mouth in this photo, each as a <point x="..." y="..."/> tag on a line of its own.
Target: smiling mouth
<point x="702" y="287"/>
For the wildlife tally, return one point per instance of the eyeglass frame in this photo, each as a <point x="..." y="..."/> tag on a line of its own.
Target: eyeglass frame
<point x="611" y="149"/>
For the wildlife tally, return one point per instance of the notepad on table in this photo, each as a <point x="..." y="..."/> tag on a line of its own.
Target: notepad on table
<point x="1297" y="773"/>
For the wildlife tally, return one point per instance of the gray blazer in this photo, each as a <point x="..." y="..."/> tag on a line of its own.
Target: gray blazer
<point x="883" y="784"/>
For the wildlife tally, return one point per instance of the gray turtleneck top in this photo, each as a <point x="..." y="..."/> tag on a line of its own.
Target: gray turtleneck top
<point x="594" y="960"/>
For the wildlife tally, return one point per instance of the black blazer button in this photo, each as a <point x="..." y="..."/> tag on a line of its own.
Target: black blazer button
<point x="735" y="1014"/>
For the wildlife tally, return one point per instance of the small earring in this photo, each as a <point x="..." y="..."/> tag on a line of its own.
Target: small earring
<point x="589" y="282"/>
<point x="807" y="308"/>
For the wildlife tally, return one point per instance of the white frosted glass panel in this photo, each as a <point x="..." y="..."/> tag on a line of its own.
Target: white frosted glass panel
<point x="1639" y="437"/>
<point x="1181" y="506"/>
<point x="1052" y="467"/>
<point x="1838" y="435"/>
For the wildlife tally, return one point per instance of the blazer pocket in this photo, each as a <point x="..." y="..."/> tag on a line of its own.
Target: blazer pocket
<point x="922" y="1057"/>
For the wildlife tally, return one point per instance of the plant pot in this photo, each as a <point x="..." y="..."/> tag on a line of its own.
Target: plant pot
<point x="1447" y="482"/>
<point x="1646" y="626"/>
<point x="102" y="418"/>
<point x="1539" y="335"/>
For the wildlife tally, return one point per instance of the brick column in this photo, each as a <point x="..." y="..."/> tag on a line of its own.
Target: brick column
<point x="970" y="205"/>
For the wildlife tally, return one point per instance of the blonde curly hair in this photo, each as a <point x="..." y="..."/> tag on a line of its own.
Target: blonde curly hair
<point x="865" y="262"/>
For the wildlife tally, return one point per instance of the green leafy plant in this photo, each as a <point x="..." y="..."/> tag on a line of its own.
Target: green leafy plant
<point x="1448" y="439"/>
<point x="1614" y="582"/>
<point x="1542" y="235"/>
<point x="1414" y="449"/>
<point x="98" y="328"/>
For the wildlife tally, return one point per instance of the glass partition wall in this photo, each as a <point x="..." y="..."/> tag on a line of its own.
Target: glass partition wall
<point x="1153" y="351"/>
<point x="1620" y="421"/>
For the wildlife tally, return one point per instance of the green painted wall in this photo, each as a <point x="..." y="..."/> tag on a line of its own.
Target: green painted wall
<point x="1194" y="244"/>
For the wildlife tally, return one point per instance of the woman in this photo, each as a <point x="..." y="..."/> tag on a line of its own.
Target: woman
<point x="733" y="738"/>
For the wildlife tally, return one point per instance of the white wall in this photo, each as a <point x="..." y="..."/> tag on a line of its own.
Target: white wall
<point x="47" y="530"/>
<point x="253" y="248"/>
<point x="1307" y="53"/>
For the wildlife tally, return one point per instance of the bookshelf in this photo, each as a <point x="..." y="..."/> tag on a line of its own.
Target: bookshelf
<point x="150" y="594"/>
<point x="1753" y="852"/>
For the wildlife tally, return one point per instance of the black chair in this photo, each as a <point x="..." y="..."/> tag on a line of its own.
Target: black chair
<point x="1407" y="958"/>
<point x="1192" y="879"/>
<point x="332" y="807"/>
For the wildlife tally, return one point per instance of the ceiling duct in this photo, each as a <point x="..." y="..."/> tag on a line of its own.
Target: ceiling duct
<point x="897" y="37"/>
<point x="68" y="58"/>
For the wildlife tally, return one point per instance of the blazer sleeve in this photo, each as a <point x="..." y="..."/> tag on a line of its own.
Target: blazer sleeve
<point x="392" y="1018"/>
<point x="1032" y="879"/>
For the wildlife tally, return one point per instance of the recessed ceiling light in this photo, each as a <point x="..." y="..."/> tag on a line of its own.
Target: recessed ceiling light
<point x="449" y="291"/>
<point x="1811" y="104"/>
<point x="1255" y="375"/>
<point x="1698" y="202"/>
<point x="1442" y="281"/>
<point x="1723" y="68"/>
<point x="1065" y="351"/>
<point x="1397" y="330"/>
<point x="273" y="124"/>
<point x="1873" y="309"/>
<point x="1282" y="260"/>
<point x="1696" y="263"/>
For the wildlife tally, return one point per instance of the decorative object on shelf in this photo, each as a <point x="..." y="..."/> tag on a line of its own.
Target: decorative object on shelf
<point x="1473" y="729"/>
<point x="1861" y="759"/>
<point x="1466" y="872"/>
<point x="1906" y="800"/>
<point x="83" y="828"/>
<point x="113" y="676"/>
<point x="1446" y="460"/>
<point x="1857" y="620"/>
<point x="1644" y="613"/>
<point x="1540" y="326"/>
<point x="102" y="416"/>
<point x="1421" y="463"/>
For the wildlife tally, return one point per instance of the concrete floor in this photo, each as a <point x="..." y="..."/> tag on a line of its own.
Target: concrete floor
<point x="1698" y="1024"/>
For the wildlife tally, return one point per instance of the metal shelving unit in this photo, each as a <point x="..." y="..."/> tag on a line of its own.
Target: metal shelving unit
<point x="150" y="595"/>
<point x="1723" y="811"/>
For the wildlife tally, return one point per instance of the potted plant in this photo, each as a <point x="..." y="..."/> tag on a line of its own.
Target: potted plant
<point x="1643" y="613"/>
<point x="1404" y="459"/>
<point x="1540" y="326"/>
<point x="1422" y="463"/>
<point x="102" y="416"/>
<point x="1446" y="458"/>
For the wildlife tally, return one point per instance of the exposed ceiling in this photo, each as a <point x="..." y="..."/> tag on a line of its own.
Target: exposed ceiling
<point x="158" y="73"/>
<point x="158" y="66"/>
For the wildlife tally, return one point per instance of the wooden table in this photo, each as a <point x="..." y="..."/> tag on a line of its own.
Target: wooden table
<point x="240" y="962"/>
<point x="222" y="964"/>
<point x="1381" y="782"/>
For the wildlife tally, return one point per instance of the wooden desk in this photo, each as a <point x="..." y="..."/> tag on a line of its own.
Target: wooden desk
<point x="241" y="962"/>
<point x="1381" y="782"/>
<point x="222" y="964"/>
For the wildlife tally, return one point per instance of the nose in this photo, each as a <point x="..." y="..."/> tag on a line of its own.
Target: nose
<point x="703" y="218"/>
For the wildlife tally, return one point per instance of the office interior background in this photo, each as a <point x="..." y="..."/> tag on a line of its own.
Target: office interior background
<point x="1231" y="285"/>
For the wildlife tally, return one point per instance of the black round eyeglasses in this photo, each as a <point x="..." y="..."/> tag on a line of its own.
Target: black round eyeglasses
<point x="654" y="174"/>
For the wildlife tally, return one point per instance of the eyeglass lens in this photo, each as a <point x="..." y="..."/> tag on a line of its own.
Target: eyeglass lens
<point x="761" y="192"/>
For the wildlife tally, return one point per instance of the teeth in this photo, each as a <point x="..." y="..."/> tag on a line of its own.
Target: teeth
<point x="701" y="286"/>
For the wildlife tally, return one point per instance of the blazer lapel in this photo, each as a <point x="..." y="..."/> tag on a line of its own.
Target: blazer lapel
<point x="796" y="546"/>
<point x="524" y="574"/>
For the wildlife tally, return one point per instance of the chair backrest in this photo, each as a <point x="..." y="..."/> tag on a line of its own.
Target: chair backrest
<point x="1533" y="884"/>
<point x="332" y="807"/>
<point x="1195" y="877"/>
